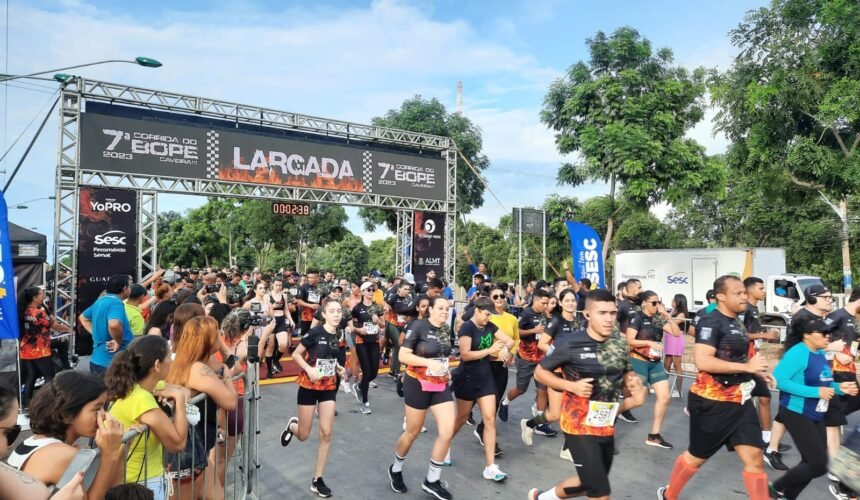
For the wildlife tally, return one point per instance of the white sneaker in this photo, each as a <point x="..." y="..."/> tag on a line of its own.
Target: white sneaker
<point x="344" y="385"/>
<point x="373" y="385"/>
<point x="526" y="433"/>
<point x="535" y="411"/>
<point x="565" y="455"/>
<point x="356" y="391"/>
<point x="423" y="429"/>
<point x="676" y="394"/>
<point x="493" y="473"/>
<point x="365" y="409"/>
<point x="651" y="391"/>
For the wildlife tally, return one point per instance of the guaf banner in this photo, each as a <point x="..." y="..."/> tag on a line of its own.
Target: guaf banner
<point x="428" y="244"/>
<point x="165" y="148"/>
<point x="587" y="253"/>
<point x="107" y="243"/>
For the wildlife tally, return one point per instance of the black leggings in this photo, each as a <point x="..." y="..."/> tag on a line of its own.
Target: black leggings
<point x="499" y="372"/>
<point x="368" y="359"/>
<point x="33" y="368"/>
<point x="811" y="440"/>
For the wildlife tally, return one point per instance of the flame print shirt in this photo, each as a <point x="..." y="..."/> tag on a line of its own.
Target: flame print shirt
<point x="580" y="356"/>
<point x="36" y="337"/>
<point x="729" y="337"/>
<point x="529" y="320"/>
<point x="320" y="344"/>
<point x="844" y="329"/>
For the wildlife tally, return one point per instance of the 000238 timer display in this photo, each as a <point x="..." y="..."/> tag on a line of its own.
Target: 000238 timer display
<point x="279" y="208"/>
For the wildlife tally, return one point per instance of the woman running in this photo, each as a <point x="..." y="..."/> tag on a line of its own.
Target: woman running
<point x="317" y="356"/>
<point x="134" y="379"/>
<point x="277" y="301"/>
<point x="367" y="322"/>
<point x="806" y="383"/>
<point x="425" y="353"/>
<point x="472" y="381"/>
<point x="563" y="324"/>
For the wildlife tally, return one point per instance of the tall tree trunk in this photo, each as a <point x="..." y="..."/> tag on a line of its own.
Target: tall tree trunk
<point x="846" y="252"/>
<point x="610" y="222"/>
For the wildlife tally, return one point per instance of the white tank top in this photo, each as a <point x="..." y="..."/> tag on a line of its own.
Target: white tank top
<point x="25" y="450"/>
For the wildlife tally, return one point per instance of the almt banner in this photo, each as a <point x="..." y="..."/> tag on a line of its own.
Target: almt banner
<point x="587" y="252"/>
<point x="221" y="152"/>
<point x="428" y="244"/>
<point x="107" y="240"/>
<point x="8" y="309"/>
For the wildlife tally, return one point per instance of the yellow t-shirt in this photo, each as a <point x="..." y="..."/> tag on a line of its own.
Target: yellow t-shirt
<point x="509" y="325"/>
<point x="135" y="318"/>
<point x="128" y="410"/>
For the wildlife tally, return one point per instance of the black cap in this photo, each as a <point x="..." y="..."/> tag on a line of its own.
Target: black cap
<point x="803" y="326"/>
<point x="485" y="304"/>
<point x="816" y="290"/>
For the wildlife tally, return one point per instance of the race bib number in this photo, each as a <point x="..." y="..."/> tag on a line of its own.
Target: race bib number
<point x="746" y="390"/>
<point x="854" y="346"/>
<point x="371" y="328"/>
<point x="537" y="336"/>
<point x="401" y="318"/>
<point x="829" y="355"/>
<point x="655" y="353"/>
<point x="822" y="406"/>
<point x="326" y="367"/>
<point x="294" y="291"/>
<point x="601" y="414"/>
<point x="443" y="372"/>
<point x="313" y="297"/>
<point x="758" y="343"/>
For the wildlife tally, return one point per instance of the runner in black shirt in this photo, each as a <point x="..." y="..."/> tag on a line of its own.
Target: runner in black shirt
<point x="626" y="307"/>
<point x="310" y="297"/>
<point x="425" y="352"/>
<point x="367" y="322"/>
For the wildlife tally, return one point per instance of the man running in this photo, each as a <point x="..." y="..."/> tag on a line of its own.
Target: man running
<point x="626" y="307"/>
<point x="309" y="298"/>
<point x="532" y="325"/>
<point x="645" y="337"/>
<point x="720" y="405"/>
<point x="596" y="372"/>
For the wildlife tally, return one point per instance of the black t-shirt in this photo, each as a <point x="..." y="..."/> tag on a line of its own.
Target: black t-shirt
<point x="697" y="319"/>
<point x="625" y="309"/>
<point x="559" y="326"/>
<point x="751" y="319"/>
<point x="481" y="338"/>
<point x="725" y="334"/>
<point x="843" y="327"/>
<point x="320" y="344"/>
<point x="422" y="286"/>
<point x="580" y="299"/>
<point x="426" y="340"/>
<point x="361" y="316"/>
<point x="312" y="295"/>
<point x="646" y="329"/>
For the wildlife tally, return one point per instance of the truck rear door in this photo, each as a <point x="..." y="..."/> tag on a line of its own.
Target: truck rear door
<point x="704" y="275"/>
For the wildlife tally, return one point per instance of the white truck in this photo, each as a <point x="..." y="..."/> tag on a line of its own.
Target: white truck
<point x="692" y="272"/>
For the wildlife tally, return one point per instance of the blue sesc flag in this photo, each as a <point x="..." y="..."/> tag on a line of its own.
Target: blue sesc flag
<point x="587" y="253"/>
<point x="8" y="308"/>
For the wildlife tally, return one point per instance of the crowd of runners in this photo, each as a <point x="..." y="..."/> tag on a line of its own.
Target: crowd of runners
<point x="592" y="355"/>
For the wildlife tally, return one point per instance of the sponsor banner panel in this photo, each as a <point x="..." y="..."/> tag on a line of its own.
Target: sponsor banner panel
<point x="587" y="250"/>
<point x="164" y="148"/>
<point x="428" y="244"/>
<point x="107" y="240"/>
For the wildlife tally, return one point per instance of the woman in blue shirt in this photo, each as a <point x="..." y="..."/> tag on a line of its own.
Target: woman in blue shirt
<point x="803" y="376"/>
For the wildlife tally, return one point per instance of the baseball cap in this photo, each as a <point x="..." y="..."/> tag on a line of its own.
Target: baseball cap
<point x="816" y="290"/>
<point x="802" y="326"/>
<point x="366" y="285"/>
<point x="409" y="278"/>
<point x="486" y="304"/>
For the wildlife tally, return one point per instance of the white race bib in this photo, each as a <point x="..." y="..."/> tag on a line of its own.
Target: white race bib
<point x="326" y="367"/>
<point x="758" y="343"/>
<point x="313" y="297"/>
<point x="537" y="336"/>
<point x="601" y="414"/>
<point x="829" y="355"/>
<point x="371" y="328"/>
<point x="443" y="373"/>
<point x="294" y="291"/>
<point x="822" y="406"/>
<point x="401" y="318"/>
<point x="655" y="353"/>
<point x="746" y="390"/>
<point x="854" y="346"/>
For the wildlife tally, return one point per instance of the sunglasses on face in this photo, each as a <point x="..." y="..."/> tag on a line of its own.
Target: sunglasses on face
<point x="496" y="297"/>
<point x="11" y="433"/>
<point x="654" y="303"/>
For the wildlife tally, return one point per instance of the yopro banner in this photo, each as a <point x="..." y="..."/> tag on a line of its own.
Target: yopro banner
<point x="428" y="244"/>
<point x="8" y="310"/>
<point x="587" y="252"/>
<point x="107" y="242"/>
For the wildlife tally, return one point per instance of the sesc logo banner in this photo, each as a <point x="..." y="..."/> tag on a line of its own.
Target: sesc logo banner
<point x="8" y="309"/>
<point x="678" y="279"/>
<point x="587" y="252"/>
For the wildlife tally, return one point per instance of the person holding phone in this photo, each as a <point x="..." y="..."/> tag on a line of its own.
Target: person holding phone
<point x="70" y="407"/>
<point x="134" y="380"/>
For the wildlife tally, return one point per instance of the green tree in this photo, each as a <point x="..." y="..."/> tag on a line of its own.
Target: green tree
<point x="349" y="257"/>
<point x="791" y="102"/>
<point x="381" y="256"/>
<point x="430" y="117"/>
<point x="626" y="112"/>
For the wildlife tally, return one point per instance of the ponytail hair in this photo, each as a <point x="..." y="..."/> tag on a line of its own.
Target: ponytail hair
<point x="133" y="364"/>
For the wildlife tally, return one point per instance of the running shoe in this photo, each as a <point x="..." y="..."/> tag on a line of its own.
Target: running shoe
<point x="423" y="429"/>
<point x="534" y="493"/>
<point x="782" y="448"/>
<point x="436" y="489"/>
<point x="373" y="385"/>
<point x="385" y="359"/>
<point x="545" y="430"/>
<point x="498" y="451"/>
<point x="535" y="411"/>
<point x="658" y="441"/>
<point x="494" y="473"/>
<point x="479" y="436"/>
<point x="470" y="420"/>
<point x="776" y="495"/>
<point x="365" y="409"/>
<point x="834" y="490"/>
<point x="564" y="454"/>
<point x="661" y="492"/>
<point x="628" y="417"/>
<point x="344" y="386"/>
<point x="503" y="412"/>
<point x="831" y="477"/>
<point x="400" y="386"/>
<point x="319" y="487"/>
<point x="686" y="411"/>
<point x="676" y="394"/>
<point x="526" y="432"/>
<point x="287" y="434"/>
<point x="392" y="374"/>
<point x="277" y="368"/>
<point x="356" y="391"/>
<point x="396" y="480"/>
<point x="773" y="459"/>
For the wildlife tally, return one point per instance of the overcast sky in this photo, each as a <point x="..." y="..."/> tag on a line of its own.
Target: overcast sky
<point x="344" y="60"/>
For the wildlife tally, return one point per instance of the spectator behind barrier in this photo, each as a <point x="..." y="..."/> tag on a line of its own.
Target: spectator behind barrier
<point x="181" y="316"/>
<point x="160" y="319"/>
<point x="66" y="409"/>
<point x="133" y="380"/>
<point x="108" y="323"/>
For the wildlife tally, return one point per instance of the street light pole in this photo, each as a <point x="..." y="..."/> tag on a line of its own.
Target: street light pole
<point x="146" y="62"/>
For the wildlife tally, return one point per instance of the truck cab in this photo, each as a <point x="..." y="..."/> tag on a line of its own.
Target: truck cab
<point x="783" y="291"/>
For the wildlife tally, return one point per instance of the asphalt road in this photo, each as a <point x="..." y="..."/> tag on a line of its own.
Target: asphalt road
<point x="362" y="449"/>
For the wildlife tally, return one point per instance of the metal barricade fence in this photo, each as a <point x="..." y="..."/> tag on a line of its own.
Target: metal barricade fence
<point x="231" y="465"/>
